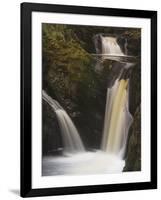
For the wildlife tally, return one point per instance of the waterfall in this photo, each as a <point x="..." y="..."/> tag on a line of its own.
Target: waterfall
<point x="117" y="118"/>
<point x="110" y="46"/>
<point x="70" y="136"/>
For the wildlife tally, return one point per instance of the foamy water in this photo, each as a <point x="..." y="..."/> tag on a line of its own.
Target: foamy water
<point x="97" y="162"/>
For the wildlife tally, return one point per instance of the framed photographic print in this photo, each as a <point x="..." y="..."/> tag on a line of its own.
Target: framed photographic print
<point x="88" y="99"/>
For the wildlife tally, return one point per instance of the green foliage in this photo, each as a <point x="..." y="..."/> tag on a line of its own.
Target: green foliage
<point x="65" y="61"/>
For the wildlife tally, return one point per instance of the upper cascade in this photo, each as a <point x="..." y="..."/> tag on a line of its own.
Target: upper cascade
<point x="111" y="47"/>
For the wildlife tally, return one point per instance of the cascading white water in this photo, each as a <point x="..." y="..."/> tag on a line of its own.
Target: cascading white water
<point x="70" y="136"/>
<point x="110" y="46"/>
<point x="117" y="116"/>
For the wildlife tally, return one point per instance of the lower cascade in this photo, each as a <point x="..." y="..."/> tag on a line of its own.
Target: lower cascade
<point x="70" y="136"/>
<point x="117" y="121"/>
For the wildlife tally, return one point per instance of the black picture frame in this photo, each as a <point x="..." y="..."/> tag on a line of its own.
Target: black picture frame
<point x="26" y="104"/>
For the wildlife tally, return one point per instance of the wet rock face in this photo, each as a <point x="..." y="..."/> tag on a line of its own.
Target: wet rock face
<point x="133" y="154"/>
<point x="98" y="43"/>
<point x="135" y="89"/>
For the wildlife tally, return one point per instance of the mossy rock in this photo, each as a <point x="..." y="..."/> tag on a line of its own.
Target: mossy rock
<point x="133" y="155"/>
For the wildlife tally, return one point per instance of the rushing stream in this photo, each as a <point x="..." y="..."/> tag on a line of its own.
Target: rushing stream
<point x="117" y="120"/>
